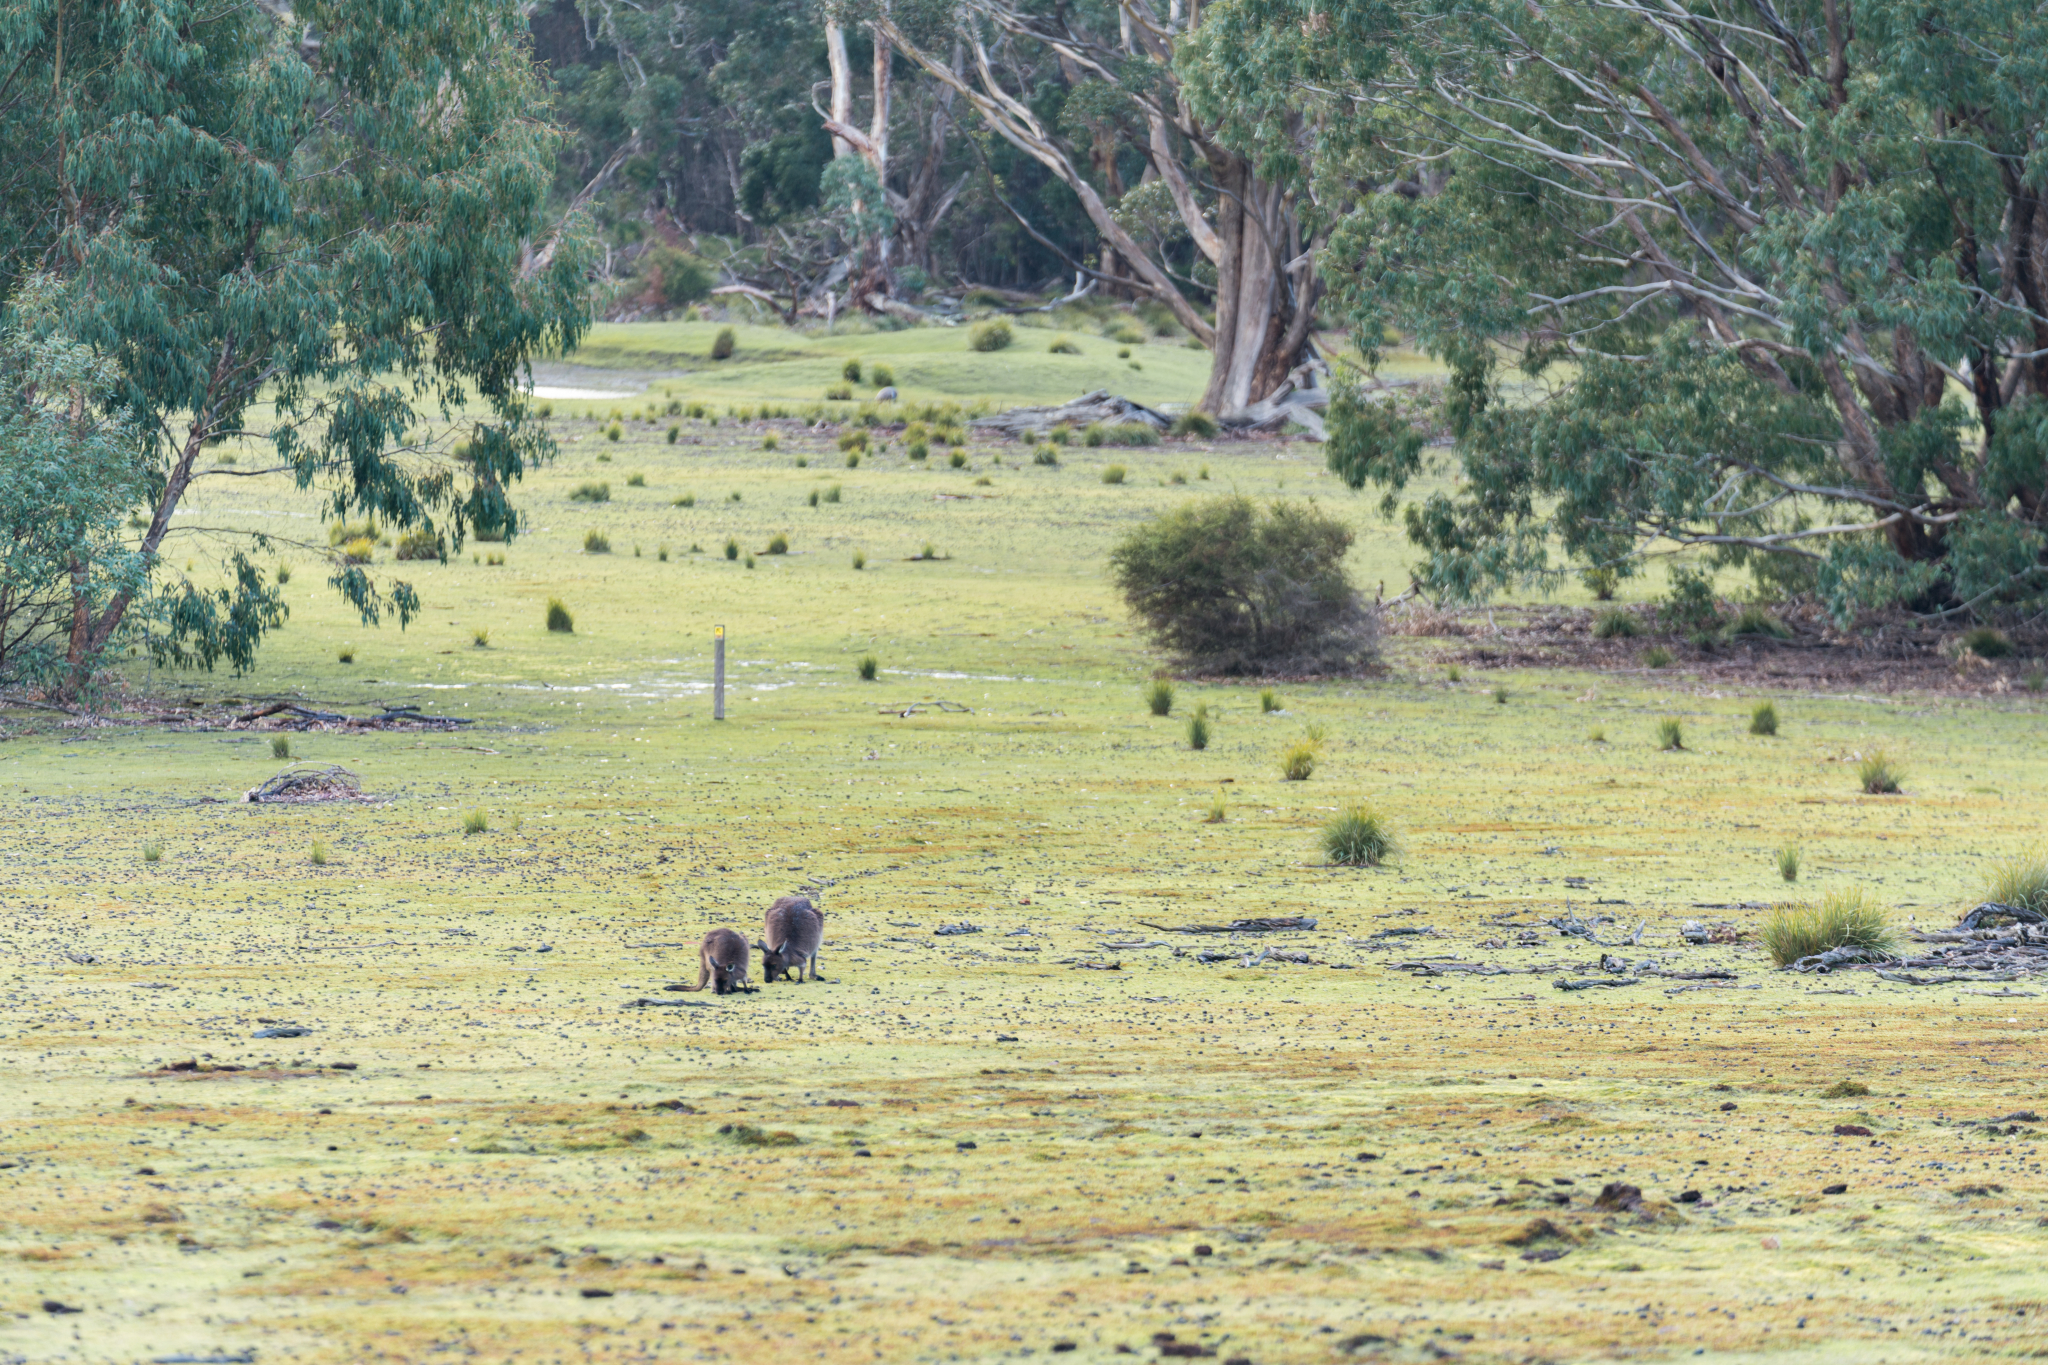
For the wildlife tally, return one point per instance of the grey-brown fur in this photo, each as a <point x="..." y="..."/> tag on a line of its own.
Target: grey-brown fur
<point x="722" y="960"/>
<point x="793" y="930"/>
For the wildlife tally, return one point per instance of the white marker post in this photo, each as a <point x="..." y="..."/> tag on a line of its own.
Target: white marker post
<point x="718" y="673"/>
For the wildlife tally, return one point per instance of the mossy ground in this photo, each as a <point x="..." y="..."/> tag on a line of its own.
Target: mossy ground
<point x="496" y="1181"/>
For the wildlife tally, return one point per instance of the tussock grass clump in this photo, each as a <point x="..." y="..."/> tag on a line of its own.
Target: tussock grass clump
<point x="1756" y="622"/>
<point x="481" y="636"/>
<point x="918" y="450"/>
<point x="1199" y="424"/>
<point x="958" y="459"/>
<point x="1114" y="474"/>
<point x="1159" y="697"/>
<point x="857" y="439"/>
<point x="1763" y="720"/>
<point x="1298" y="761"/>
<point x="284" y="574"/>
<point x="1879" y="775"/>
<point x="853" y="459"/>
<point x="1656" y="656"/>
<point x="474" y="822"/>
<point x="732" y="548"/>
<point x="991" y="336"/>
<point x="280" y="747"/>
<point x="1500" y="695"/>
<point x="1845" y="1090"/>
<point x="597" y="543"/>
<point x="1198" y="729"/>
<point x="839" y="393"/>
<point x="1218" y="812"/>
<point x="770" y="442"/>
<point x="1987" y="643"/>
<point x="1614" y="624"/>
<point x="559" y="619"/>
<point x="1840" y="919"/>
<point x="614" y="432"/>
<point x="882" y="377"/>
<point x="850" y="371"/>
<point x="1269" y="701"/>
<point x="1788" y="862"/>
<point x="813" y="498"/>
<point x="2020" y="882"/>
<point x="1358" y="836"/>
<point x="317" y="854"/>
<point x="1454" y="674"/>
<point x="675" y="432"/>
<point x="868" y="667"/>
<point x="358" y="551"/>
<point x="1670" y="734"/>
<point x="636" y="481"/>
<point x="860" y="561"/>
<point x="1047" y="455"/>
<point x="724" y="344"/>
<point x="686" y="500"/>
<point x="778" y="544"/>
<point x="592" y="492"/>
<point x="832" y="492"/>
<point x="747" y="1135"/>
<point x="1597" y="735"/>
<point x="346" y="654"/>
<point x="1062" y="345"/>
<point x="153" y="851"/>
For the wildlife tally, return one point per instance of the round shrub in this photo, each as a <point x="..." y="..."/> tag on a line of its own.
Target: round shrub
<point x="724" y="344"/>
<point x="991" y="336"/>
<point x="559" y="619"/>
<point x="1358" y="836"/>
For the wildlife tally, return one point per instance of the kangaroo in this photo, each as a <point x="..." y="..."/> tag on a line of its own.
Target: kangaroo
<point x="793" y="929"/>
<point x="722" y="959"/>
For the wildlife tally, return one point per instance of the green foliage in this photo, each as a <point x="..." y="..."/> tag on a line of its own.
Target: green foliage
<point x="724" y="344"/>
<point x="839" y="392"/>
<point x="990" y="336"/>
<point x="614" y="432"/>
<point x="853" y="459"/>
<point x="868" y="666"/>
<point x="1047" y="456"/>
<point x="1358" y="836"/>
<point x="1755" y="621"/>
<point x="1500" y="695"/>
<point x="860" y="560"/>
<point x="1063" y="345"/>
<point x="1195" y="423"/>
<point x="770" y="442"/>
<point x="1298" y="761"/>
<point x="957" y="460"/>
<point x="1840" y="919"/>
<point x="1878" y="774"/>
<point x="422" y="542"/>
<point x="882" y="377"/>
<point x="559" y="619"/>
<point x="1987" y="643"/>
<point x="746" y="1134"/>
<point x="1218" y="812"/>
<point x="1114" y="473"/>
<point x="1764" y="719"/>
<point x="1845" y="1090"/>
<point x="591" y="492"/>
<point x="636" y="481"/>
<point x="1269" y="701"/>
<point x="778" y="544"/>
<point x="317" y="853"/>
<point x="918" y="450"/>
<point x="346" y="654"/>
<point x="474" y="822"/>
<point x="1159" y="697"/>
<point x="481" y="636"/>
<point x="596" y="543"/>
<point x="732" y="549"/>
<point x="280" y="747"/>
<point x="1198" y="730"/>
<point x="1670" y="734"/>
<point x="850" y="371"/>
<point x="1613" y="624"/>
<point x="153" y="851"/>
<point x="1227" y="586"/>
<point x="832" y="493"/>
<point x="685" y="500"/>
<point x="1656" y="656"/>
<point x="1788" y="862"/>
<point x="675" y="279"/>
<point x="335" y="228"/>
<point x="1688" y="606"/>
<point x="2020" y="882"/>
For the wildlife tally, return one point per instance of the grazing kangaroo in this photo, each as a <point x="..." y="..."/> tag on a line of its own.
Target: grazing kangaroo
<point x="722" y="959"/>
<point x="794" y="929"/>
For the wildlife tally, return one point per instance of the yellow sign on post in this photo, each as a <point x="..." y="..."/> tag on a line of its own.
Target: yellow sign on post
<point x="718" y="673"/>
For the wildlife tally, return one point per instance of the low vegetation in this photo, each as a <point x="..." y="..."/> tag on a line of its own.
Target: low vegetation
<point x="868" y="667"/>
<point x="1298" y="760"/>
<point x="990" y="336"/>
<point x="1358" y="836"/>
<point x="1764" y="719"/>
<point x="1878" y="774"/>
<point x="2020" y="882"/>
<point x="1840" y="919"/>
<point x="1670" y="734"/>
<point x="559" y="619"/>
<point x="1159" y="697"/>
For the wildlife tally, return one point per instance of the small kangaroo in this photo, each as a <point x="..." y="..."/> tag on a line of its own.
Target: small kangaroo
<point x="794" y="929"/>
<point x="722" y="959"/>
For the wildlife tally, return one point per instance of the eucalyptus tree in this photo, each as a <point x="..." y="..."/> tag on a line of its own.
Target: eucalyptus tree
<point x="1772" y="272"/>
<point x="322" y="210"/>
<point x="1230" y="166"/>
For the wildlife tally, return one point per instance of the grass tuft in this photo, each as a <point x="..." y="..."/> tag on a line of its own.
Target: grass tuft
<point x="1879" y="775"/>
<point x="1614" y="624"/>
<point x="1114" y="473"/>
<point x="1500" y="695"/>
<point x="686" y="500"/>
<point x="1298" y="760"/>
<point x="1756" y="622"/>
<point x="1269" y="701"/>
<point x="1788" y="862"/>
<point x="597" y="543"/>
<point x="1597" y="735"/>
<point x="1656" y="656"/>
<point x="1062" y="345"/>
<point x="481" y="636"/>
<point x="636" y="481"/>
<point x="1987" y="643"/>
<point x="2021" y="882"/>
<point x="1198" y="729"/>
<point x="778" y="544"/>
<point x="280" y="747"/>
<point x="1219" y="811"/>
<point x="318" y="853"/>
<point x="1159" y="697"/>
<point x="732" y="548"/>
<point x="747" y="1135"/>
<point x="153" y="851"/>
<point x="868" y="667"/>
<point x="1199" y="424"/>
<point x="1670" y="734"/>
<point x="1764" y="720"/>
<point x="991" y="336"/>
<point x="474" y="822"/>
<point x="346" y="654"/>
<point x="860" y="561"/>
<point x="559" y="619"/>
<point x="1845" y="1090"/>
<point x="1358" y="836"/>
<point x="1840" y="919"/>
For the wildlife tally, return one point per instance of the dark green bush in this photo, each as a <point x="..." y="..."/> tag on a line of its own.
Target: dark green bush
<point x="991" y="336"/>
<point x="1227" y="586"/>
<point x="725" y="344"/>
<point x="674" y="277"/>
<point x="559" y="619"/>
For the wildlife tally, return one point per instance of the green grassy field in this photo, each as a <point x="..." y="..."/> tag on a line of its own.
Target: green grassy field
<point x="984" y="1145"/>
